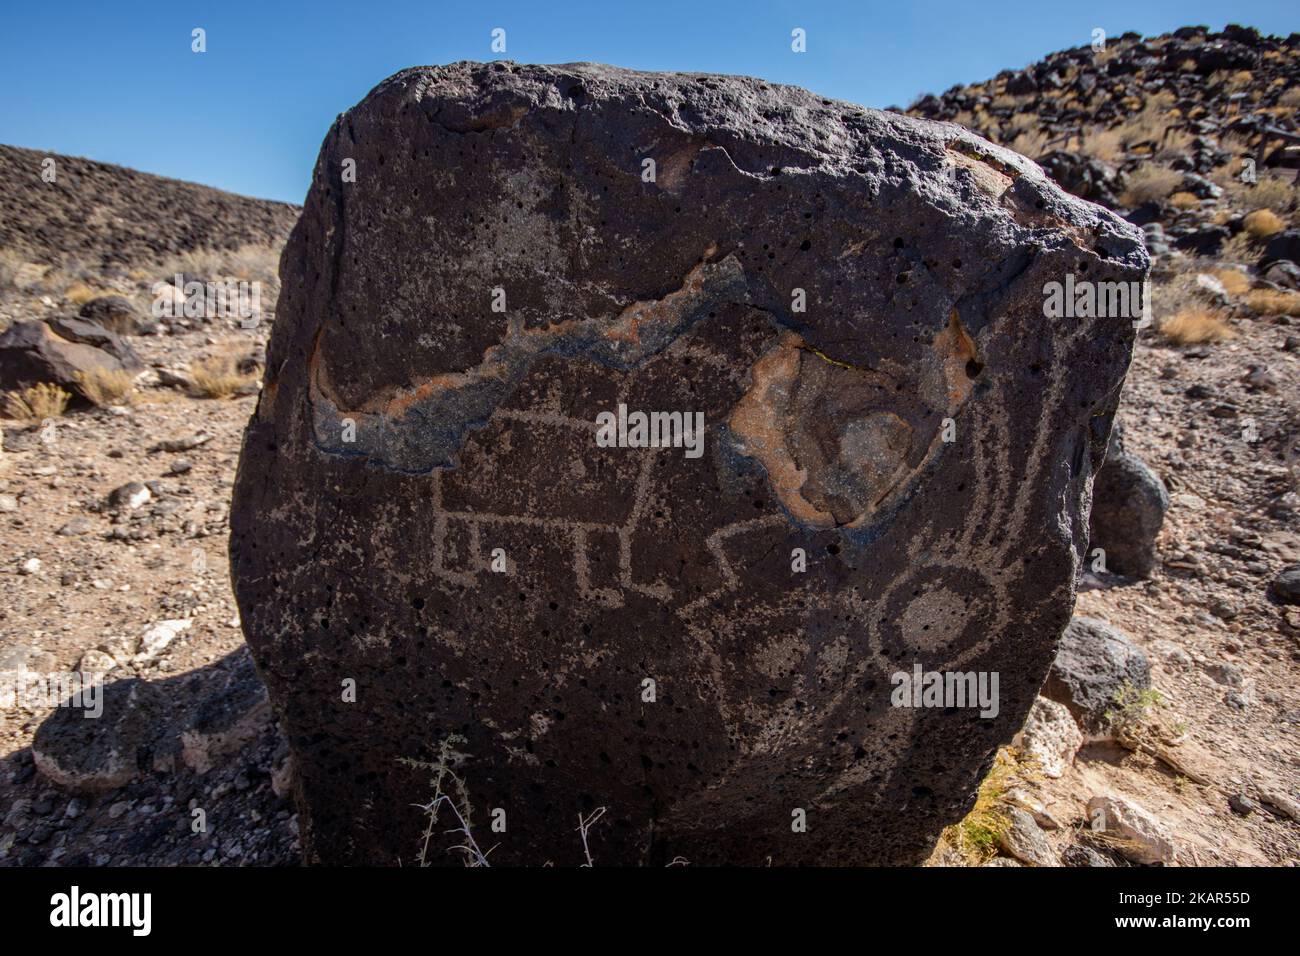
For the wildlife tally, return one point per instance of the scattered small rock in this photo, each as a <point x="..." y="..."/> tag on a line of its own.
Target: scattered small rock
<point x="1138" y="835"/>
<point x="1286" y="586"/>
<point x="1022" y="839"/>
<point x="129" y="496"/>
<point x="1050" y="736"/>
<point x="77" y="526"/>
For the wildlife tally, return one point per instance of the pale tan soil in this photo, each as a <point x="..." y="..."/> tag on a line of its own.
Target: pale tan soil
<point x="1220" y="613"/>
<point x="93" y="591"/>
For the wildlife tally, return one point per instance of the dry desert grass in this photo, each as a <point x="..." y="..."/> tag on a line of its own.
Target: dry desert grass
<point x="1235" y="282"/>
<point x="219" y="375"/>
<point x="1274" y="302"/>
<point x="37" y="402"/>
<point x="1263" y="223"/>
<point x="1150" y="184"/>
<point x="79" y="293"/>
<point x="104" y="387"/>
<point x="1195" y="326"/>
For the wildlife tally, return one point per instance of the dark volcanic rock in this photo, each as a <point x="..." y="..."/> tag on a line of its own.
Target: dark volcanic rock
<point x="30" y="352"/>
<point x="423" y="513"/>
<point x="1129" y="502"/>
<point x="103" y="751"/>
<point x="92" y="333"/>
<point x="116" y="313"/>
<point x="1286" y="586"/>
<point x="1285" y="245"/>
<point x="1088" y="178"/>
<point x="1095" y="665"/>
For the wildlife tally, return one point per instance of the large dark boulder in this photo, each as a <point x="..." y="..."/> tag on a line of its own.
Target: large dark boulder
<point x="92" y="333"/>
<point x="1129" y="502"/>
<point x="30" y="352"/>
<point x="1286" y="586"/>
<point x="436" y="559"/>
<point x="1285" y="245"/>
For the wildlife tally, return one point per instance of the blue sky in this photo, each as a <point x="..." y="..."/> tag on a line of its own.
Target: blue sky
<point x="115" y="80"/>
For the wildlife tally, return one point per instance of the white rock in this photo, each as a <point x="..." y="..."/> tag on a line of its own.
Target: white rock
<point x="133" y="497"/>
<point x="31" y="566"/>
<point x="96" y="661"/>
<point x="8" y="503"/>
<point x="1050" y="736"/>
<point x="1213" y="288"/>
<point x="1141" y="837"/>
<point x="159" y="636"/>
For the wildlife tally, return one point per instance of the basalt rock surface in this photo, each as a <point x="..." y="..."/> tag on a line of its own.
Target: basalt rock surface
<point x="433" y="554"/>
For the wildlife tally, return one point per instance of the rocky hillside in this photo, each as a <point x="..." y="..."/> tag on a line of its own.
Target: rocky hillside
<point x="100" y="215"/>
<point x="1184" y="134"/>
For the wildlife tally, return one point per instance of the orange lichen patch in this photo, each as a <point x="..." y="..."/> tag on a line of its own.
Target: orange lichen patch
<point x="838" y="441"/>
<point x="391" y="402"/>
<point x="759" y="421"/>
<point x="955" y="350"/>
<point x="661" y="319"/>
<point x="668" y="311"/>
<point x="991" y="181"/>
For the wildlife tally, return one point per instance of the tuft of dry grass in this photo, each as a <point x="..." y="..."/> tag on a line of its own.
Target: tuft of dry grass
<point x="104" y="387"/>
<point x="1235" y="282"/>
<point x="1031" y="143"/>
<point x="1239" y="248"/>
<point x="248" y="262"/>
<point x="1102" y="144"/>
<point x="1161" y="102"/>
<point x="1184" y="200"/>
<point x="1290" y="98"/>
<point x="11" y="266"/>
<point x="1232" y="81"/>
<point x="1150" y="184"/>
<point x="37" y="402"/>
<point x="79" y="293"/>
<point x="975" y="836"/>
<point x="219" y="376"/>
<point x="1272" y="190"/>
<point x="1173" y="143"/>
<point x="1274" y="302"/>
<point x="1263" y="223"/>
<point x="1196" y="325"/>
<point x="1148" y="131"/>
